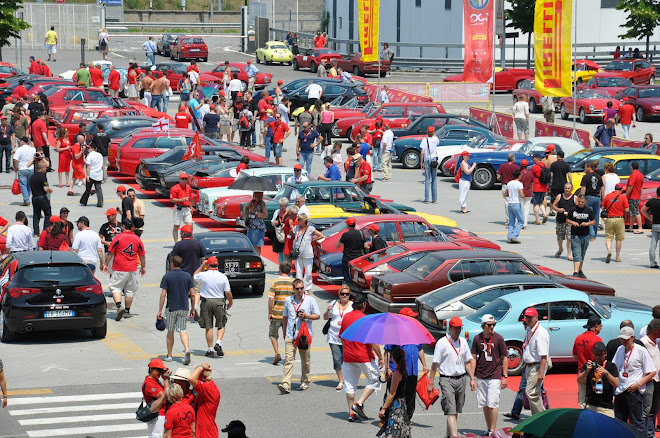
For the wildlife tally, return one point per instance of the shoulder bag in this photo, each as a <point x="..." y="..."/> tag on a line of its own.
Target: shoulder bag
<point x="326" y="327"/>
<point x="433" y="162"/>
<point x="279" y="230"/>
<point x="143" y="412"/>
<point x="295" y="251"/>
<point x="604" y="213"/>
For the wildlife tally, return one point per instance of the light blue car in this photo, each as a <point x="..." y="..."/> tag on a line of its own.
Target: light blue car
<point x="563" y="312"/>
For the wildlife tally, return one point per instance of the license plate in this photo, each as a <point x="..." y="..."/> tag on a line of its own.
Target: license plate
<point x="231" y="267"/>
<point x="194" y="50"/>
<point x="58" y="313"/>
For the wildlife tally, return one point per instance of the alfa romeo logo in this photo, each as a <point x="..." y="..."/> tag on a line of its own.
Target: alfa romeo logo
<point x="479" y="4"/>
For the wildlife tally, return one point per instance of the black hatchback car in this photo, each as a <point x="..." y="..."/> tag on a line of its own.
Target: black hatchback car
<point x="420" y="126"/>
<point x="578" y="160"/>
<point x="331" y="91"/>
<point x="50" y="290"/>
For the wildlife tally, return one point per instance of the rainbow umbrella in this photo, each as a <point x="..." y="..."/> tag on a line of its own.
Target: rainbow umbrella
<point x="575" y="423"/>
<point x="388" y="328"/>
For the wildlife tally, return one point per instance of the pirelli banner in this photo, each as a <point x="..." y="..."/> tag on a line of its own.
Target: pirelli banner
<point x="368" y="11"/>
<point x="552" y="47"/>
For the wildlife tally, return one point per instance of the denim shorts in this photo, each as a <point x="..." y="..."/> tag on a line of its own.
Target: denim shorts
<point x="256" y="237"/>
<point x="579" y="245"/>
<point x="277" y="150"/>
<point x="337" y="355"/>
<point x="537" y="198"/>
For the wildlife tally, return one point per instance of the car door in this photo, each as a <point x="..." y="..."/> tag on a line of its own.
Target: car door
<point x="638" y="72"/>
<point x="567" y="319"/>
<point x="130" y="155"/>
<point x="452" y="137"/>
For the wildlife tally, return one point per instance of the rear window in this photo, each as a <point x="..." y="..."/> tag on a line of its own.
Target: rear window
<point x="336" y="228"/>
<point x="58" y="275"/>
<point x="423" y="267"/>
<point x="225" y="243"/>
<point x="498" y="308"/>
<point x="386" y="252"/>
<point x="193" y="41"/>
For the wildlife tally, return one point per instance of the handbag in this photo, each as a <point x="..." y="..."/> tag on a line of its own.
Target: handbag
<point x="295" y="251"/>
<point x="16" y="188"/>
<point x="143" y="412"/>
<point x="279" y="232"/>
<point x="428" y="398"/>
<point x="326" y="327"/>
<point x="433" y="163"/>
<point x="604" y="213"/>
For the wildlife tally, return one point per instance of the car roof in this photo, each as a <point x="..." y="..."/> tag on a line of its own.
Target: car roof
<point x="220" y="235"/>
<point x="387" y="217"/>
<point x="44" y="257"/>
<point x="116" y="119"/>
<point x="632" y="157"/>
<point x="491" y="280"/>
<point x="455" y="127"/>
<point x="539" y="296"/>
<point x="645" y="86"/>
<point x="475" y="254"/>
<point x="148" y="131"/>
<point x="414" y="104"/>
<point x="306" y="184"/>
<point x="270" y="170"/>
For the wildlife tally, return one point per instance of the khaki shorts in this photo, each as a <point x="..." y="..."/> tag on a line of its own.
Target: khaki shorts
<point x="615" y="227"/>
<point x="563" y="230"/>
<point x="453" y="394"/>
<point x="124" y="281"/>
<point x="182" y="217"/>
<point x="213" y="308"/>
<point x="274" y="328"/>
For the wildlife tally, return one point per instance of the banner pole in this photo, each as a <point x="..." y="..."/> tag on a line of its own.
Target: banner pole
<point x="377" y="11"/>
<point x="573" y="85"/>
<point x="494" y="17"/>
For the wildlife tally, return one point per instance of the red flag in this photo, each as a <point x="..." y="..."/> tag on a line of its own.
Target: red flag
<point x="194" y="148"/>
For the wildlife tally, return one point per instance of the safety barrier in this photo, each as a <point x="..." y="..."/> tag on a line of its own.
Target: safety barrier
<point x="501" y="123"/>
<point x="543" y="129"/>
<point x="625" y="143"/>
<point x="396" y="94"/>
<point x="458" y="92"/>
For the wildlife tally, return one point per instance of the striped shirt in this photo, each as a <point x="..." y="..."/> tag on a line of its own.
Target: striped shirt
<point x="279" y="290"/>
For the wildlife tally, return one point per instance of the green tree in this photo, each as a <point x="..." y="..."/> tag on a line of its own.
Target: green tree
<point x="643" y="18"/>
<point x="521" y="17"/>
<point x="10" y="25"/>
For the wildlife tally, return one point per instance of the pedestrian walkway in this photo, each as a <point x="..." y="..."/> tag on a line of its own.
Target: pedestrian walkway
<point x="97" y="415"/>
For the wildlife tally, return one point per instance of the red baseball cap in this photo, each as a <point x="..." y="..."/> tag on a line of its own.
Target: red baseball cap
<point x="121" y="189"/>
<point x="530" y="311"/>
<point x="351" y="221"/>
<point x="456" y="322"/>
<point x="430" y="130"/>
<point x="269" y="97"/>
<point x="110" y="212"/>
<point x="374" y="227"/>
<point x="186" y="229"/>
<point x="280" y="82"/>
<point x="183" y="175"/>
<point x="249" y="61"/>
<point x="386" y="125"/>
<point x="212" y="261"/>
<point x="297" y="167"/>
<point x="464" y="153"/>
<point x="212" y="106"/>
<point x="182" y="108"/>
<point x="239" y="94"/>
<point x="407" y="311"/>
<point x="524" y="163"/>
<point x="379" y="118"/>
<point x="157" y="363"/>
<point x="54" y="219"/>
<point x="626" y="99"/>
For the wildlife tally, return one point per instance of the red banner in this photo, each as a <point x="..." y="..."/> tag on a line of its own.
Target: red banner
<point x="397" y="95"/>
<point x="624" y="143"/>
<point x="502" y="125"/>
<point x="478" y="16"/>
<point x="543" y="129"/>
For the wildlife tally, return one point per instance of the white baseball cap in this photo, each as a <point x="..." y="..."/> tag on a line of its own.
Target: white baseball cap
<point x="487" y="318"/>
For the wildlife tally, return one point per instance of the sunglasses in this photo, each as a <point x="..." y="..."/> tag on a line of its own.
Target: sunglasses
<point x="299" y="288"/>
<point x="345" y="295"/>
<point x="183" y="179"/>
<point x="490" y="324"/>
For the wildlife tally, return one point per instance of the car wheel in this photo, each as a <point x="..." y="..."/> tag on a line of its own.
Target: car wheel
<point x="533" y="108"/>
<point x="442" y="167"/>
<point x="258" y="289"/>
<point x="295" y="65"/>
<point x="313" y="67"/>
<point x="171" y="56"/>
<point x="652" y="80"/>
<point x="411" y="159"/>
<point x="7" y="335"/>
<point x="356" y="70"/>
<point x="258" y="60"/>
<point x="562" y="111"/>
<point x="244" y="86"/>
<point x="100" y="332"/>
<point x="583" y="116"/>
<point x="640" y="114"/>
<point x="483" y="178"/>
<point x="178" y="56"/>
<point x="383" y="74"/>
<point x="515" y="353"/>
<point x="157" y="51"/>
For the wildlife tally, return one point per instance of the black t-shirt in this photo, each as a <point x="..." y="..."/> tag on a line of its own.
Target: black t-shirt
<point x="178" y="284"/>
<point x="378" y="243"/>
<point x="211" y="120"/>
<point x="606" y="399"/>
<point x="38" y="183"/>
<point x="102" y="142"/>
<point x="108" y="232"/>
<point x="353" y="244"/>
<point x="5" y="135"/>
<point x="350" y="172"/>
<point x="559" y="169"/>
<point x="654" y="209"/>
<point x="126" y="206"/>
<point x="191" y="251"/>
<point x="36" y="109"/>
<point x="592" y="182"/>
<point x="253" y="106"/>
<point x="580" y="215"/>
<point x="566" y="204"/>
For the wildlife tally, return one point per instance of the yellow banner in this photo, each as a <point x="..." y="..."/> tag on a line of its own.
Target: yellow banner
<point x="368" y="18"/>
<point x="552" y="47"/>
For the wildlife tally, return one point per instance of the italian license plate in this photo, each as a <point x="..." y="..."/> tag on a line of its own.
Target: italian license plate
<point x="194" y="50"/>
<point x="231" y="267"/>
<point x="58" y="313"/>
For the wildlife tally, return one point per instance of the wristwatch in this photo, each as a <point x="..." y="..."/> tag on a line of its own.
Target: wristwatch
<point x="505" y="375"/>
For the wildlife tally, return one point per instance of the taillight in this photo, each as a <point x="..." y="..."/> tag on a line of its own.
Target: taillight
<point x="16" y="292"/>
<point x="252" y="265"/>
<point x="93" y="288"/>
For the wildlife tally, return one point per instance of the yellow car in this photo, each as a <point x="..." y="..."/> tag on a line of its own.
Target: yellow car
<point x="583" y="70"/>
<point x="331" y="211"/>
<point x="647" y="164"/>
<point x="274" y="51"/>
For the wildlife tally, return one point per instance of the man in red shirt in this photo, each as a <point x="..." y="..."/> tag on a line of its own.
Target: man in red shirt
<point x="505" y="175"/>
<point x="96" y="76"/>
<point x="20" y="90"/>
<point x="35" y="68"/>
<point x="583" y="351"/>
<point x="376" y="130"/>
<point x="319" y="41"/>
<point x="527" y="180"/>
<point x="39" y="131"/>
<point x="617" y="205"/>
<point x="366" y="137"/>
<point x="362" y="174"/>
<point x="281" y="132"/>
<point x="182" y="119"/>
<point x="114" y="79"/>
<point x="626" y="116"/>
<point x="359" y="358"/>
<point x="263" y="105"/>
<point x="634" y="193"/>
<point x="154" y="391"/>
<point x="208" y="400"/>
<point x="539" y="190"/>
<point x="180" y="195"/>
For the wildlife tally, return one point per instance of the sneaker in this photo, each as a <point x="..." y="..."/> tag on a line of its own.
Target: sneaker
<point x="168" y="359"/>
<point x="608" y="258"/>
<point x="514" y="241"/>
<point x="655" y="267"/>
<point x="575" y="274"/>
<point x="284" y="388"/>
<point x="351" y="418"/>
<point x="581" y="274"/>
<point x="277" y="359"/>
<point x="210" y="353"/>
<point x="359" y="409"/>
<point x="127" y="315"/>
<point x="218" y="349"/>
<point x="70" y="194"/>
<point x="304" y="386"/>
<point x="537" y="223"/>
<point x="512" y="416"/>
<point x="426" y="202"/>
<point x="120" y="313"/>
<point x="186" y="357"/>
<point x="545" y="218"/>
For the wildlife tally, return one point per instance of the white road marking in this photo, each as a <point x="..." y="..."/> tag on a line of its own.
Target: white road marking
<point x="86" y="430"/>
<point x="117" y="54"/>
<point x="74" y="398"/>
<point x="79" y="419"/>
<point x="81" y="408"/>
<point x="249" y="363"/>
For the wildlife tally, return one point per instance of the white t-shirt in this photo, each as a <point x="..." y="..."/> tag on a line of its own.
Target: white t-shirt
<point x="387" y="142"/>
<point x="610" y="180"/>
<point x="305" y="210"/>
<point x="235" y="85"/>
<point x="513" y="187"/>
<point x="336" y="315"/>
<point x="638" y="365"/>
<point x="19" y="238"/>
<point x="313" y="91"/>
<point x="214" y="284"/>
<point x="451" y="356"/>
<point x="429" y="147"/>
<point x="24" y="155"/>
<point x="193" y="76"/>
<point x="95" y="161"/>
<point x="520" y="110"/>
<point x="204" y="110"/>
<point x="537" y="344"/>
<point x="87" y="243"/>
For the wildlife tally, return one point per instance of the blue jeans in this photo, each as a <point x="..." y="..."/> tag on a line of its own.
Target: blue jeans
<point x="375" y="158"/>
<point x="165" y="101"/>
<point x="268" y="144"/>
<point x="254" y="136"/>
<point x="579" y="245"/>
<point x="306" y="161"/>
<point x="655" y="239"/>
<point x="516" y="220"/>
<point x="593" y="202"/>
<point x="156" y="101"/>
<point x="24" y="183"/>
<point x="630" y="406"/>
<point x="151" y="58"/>
<point x="430" y="182"/>
<point x="518" y="402"/>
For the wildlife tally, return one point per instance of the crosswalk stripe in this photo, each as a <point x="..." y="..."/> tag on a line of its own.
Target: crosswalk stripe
<point x="79" y="419"/>
<point x="82" y="408"/>
<point x="85" y="430"/>
<point x="73" y="398"/>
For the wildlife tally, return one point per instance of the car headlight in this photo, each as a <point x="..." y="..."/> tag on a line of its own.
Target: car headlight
<point x="655" y="107"/>
<point x="591" y="107"/>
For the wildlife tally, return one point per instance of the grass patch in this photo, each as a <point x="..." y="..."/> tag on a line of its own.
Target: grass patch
<point x="169" y="5"/>
<point x="188" y="31"/>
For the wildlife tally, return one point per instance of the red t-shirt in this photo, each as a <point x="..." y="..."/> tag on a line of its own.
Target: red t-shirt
<point x="45" y="70"/>
<point x="615" y="208"/>
<point x="636" y="181"/>
<point x="263" y="107"/>
<point x="240" y="167"/>
<point x="583" y="347"/>
<point x="208" y="399"/>
<point x="527" y="179"/>
<point x="38" y="128"/>
<point x="19" y="92"/>
<point x="368" y="139"/>
<point x="179" y="192"/>
<point x="626" y="112"/>
<point x="35" y="68"/>
<point x="126" y="247"/>
<point x="151" y="389"/>
<point x="354" y="352"/>
<point x="364" y="169"/>
<point x="319" y="41"/>
<point x="536" y="171"/>
<point x="182" y="120"/>
<point x="279" y="130"/>
<point x="506" y="171"/>
<point x="179" y="419"/>
<point x="132" y="77"/>
<point x="42" y="238"/>
<point x="378" y="132"/>
<point x="96" y="77"/>
<point x="193" y="67"/>
<point x="3" y="221"/>
<point x="113" y="80"/>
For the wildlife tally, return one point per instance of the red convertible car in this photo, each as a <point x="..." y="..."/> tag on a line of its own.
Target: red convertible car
<point x="590" y="105"/>
<point x="526" y="88"/>
<point x="645" y="98"/>
<point x="7" y="69"/>
<point x="311" y="59"/>
<point x="175" y="71"/>
<point x="355" y="65"/>
<point x="610" y="82"/>
<point x="637" y="71"/>
<point x="506" y="79"/>
<point x="241" y="68"/>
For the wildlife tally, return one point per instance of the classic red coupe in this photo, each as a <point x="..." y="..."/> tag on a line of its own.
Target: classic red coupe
<point x="241" y="68"/>
<point x="506" y="79"/>
<point x="589" y="104"/>
<point x="637" y="71"/>
<point x="175" y="71"/>
<point x="312" y="58"/>
<point x="645" y="98"/>
<point x="610" y="82"/>
<point x="355" y="65"/>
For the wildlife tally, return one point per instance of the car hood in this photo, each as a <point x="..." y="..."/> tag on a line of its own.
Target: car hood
<point x="588" y="286"/>
<point x="625" y="304"/>
<point x="331" y="258"/>
<point x="434" y="300"/>
<point x="649" y="100"/>
<point x="397" y="278"/>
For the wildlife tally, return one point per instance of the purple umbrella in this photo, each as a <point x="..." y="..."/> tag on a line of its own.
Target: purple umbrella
<point x="388" y="328"/>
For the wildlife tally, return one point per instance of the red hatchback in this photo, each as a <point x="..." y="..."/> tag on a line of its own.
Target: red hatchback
<point x="7" y="70"/>
<point x="189" y="47"/>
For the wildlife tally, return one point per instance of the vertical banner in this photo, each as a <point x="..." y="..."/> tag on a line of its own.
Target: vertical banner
<point x="552" y="47"/>
<point x="368" y="11"/>
<point x="478" y="16"/>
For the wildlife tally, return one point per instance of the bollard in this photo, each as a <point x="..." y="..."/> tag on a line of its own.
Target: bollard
<point x="82" y="50"/>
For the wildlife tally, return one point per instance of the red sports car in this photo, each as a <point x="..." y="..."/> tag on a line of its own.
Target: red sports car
<point x="241" y="68"/>
<point x="610" y="82"/>
<point x="355" y="65"/>
<point x="645" y="98"/>
<point x="637" y="71"/>
<point x="526" y="88"/>
<point x="590" y="104"/>
<point x="312" y="58"/>
<point x="7" y="70"/>
<point x="175" y="71"/>
<point x="506" y="79"/>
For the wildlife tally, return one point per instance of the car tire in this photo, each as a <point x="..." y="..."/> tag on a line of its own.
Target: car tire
<point x="7" y="335"/>
<point x="259" y="60"/>
<point x="514" y="352"/>
<point x="583" y="116"/>
<point x="178" y="56"/>
<point x="483" y="178"/>
<point x="313" y="67"/>
<point x="533" y="107"/>
<point x="356" y="70"/>
<point x="100" y="332"/>
<point x="411" y="159"/>
<point x="258" y="289"/>
<point x="442" y="167"/>
<point x="640" y="114"/>
<point x="562" y="111"/>
<point x="383" y="74"/>
<point x="651" y="80"/>
<point x="295" y="65"/>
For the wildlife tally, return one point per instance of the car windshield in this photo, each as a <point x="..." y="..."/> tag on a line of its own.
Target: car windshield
<point x="593" y="94"/>
<point x="324" y="50"/>
<point x="225" y="243"/>
<point x="580" y="155"/>
<point x="278" y="46"/>
<point x="612" y="82"/>
<point x="57" y="274"/>
<point x="619" y="66"/>
<point x="383" y="253"/>
<point x="527" y="147"/>
<point x="498" y="308"/>
<point x="599" y="308"/>
<point x="423" y="267"/>
<point x="336" y="228"/>
<point x="649" y="92"/>
<point x="455" y="290"/>
<point x="654" y="176"/>
<point x="479" y="142"/>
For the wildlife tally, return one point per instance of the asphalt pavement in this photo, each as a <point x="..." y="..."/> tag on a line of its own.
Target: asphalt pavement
<point x="41" y="367"/>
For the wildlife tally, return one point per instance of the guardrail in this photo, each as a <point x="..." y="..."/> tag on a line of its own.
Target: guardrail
<point x="116" y="26"/>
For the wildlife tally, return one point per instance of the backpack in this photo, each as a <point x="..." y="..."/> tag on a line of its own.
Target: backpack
<point x="244" y="122"/>
<point x="304" y="339"/>
<point x="64" y="246"/>
<point x="545" y="177"/>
